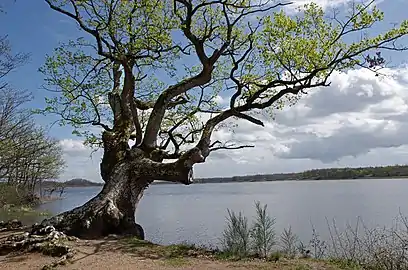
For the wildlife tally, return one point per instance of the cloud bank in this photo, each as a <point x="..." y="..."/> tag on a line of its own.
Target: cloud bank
<point x="359" y="120"/>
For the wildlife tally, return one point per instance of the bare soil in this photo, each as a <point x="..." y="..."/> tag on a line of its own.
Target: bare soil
<point x="133" y="254"/>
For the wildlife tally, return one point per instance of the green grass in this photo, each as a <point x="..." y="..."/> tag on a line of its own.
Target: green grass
<point x="11" y="195"/>
<point x="344" y="264"/>
<point x="274" y="257"/>
<point x="22" y="213"/>
<point x="22" y="210"/>
<point x="142" y="247"/>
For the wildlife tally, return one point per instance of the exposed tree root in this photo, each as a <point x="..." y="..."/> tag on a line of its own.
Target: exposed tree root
<point x="43" y="239"/>
<point x="96" y="219"/>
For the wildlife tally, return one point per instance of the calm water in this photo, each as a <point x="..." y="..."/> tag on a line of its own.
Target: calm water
<point x="196" y="213"/>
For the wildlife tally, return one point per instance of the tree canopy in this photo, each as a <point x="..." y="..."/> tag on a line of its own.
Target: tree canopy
<point x="151" y="71"/>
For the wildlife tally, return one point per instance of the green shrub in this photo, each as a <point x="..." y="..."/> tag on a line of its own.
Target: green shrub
<point x="288" y="242"/>
<point x="317" y="245"/>
<point x="236" y="235"/>
<point x="263" y="236"/>
<point x="357" y="247"/>
<point x="240" y="240"/>
<point x="379" y="248"/>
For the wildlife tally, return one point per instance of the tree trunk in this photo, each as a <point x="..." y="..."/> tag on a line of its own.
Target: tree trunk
<point x="127" y="173"/>
<point x="112" y="211"/>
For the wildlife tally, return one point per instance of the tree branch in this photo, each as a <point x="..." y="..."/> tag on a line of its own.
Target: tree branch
<point x="156" y="117"/>
<point x="247" y="117"/>
<point x="145" y="168"/>
<point x="94" y="32"/>
<point x="159" y="108"/>
<point x="146" y="105"/>
<point x="227" y="147"/>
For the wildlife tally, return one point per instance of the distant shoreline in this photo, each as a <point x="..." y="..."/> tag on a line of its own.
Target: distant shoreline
<point x="56" y="186"/>
<point x="284" y="180"/>
<point x="395" y="171"/>
<point x="260" y="181"/>
<point x="315" y="180"/>
<point x="359" y="173"/>
<point x="94" y="185"/>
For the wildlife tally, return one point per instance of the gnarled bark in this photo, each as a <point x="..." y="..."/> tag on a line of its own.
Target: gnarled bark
<point x="112" y="211"/>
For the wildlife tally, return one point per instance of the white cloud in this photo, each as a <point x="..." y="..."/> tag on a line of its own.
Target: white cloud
<point x="325" y="4"/>
<point x="80" y="163"/>
<point x="70" y="146"/>
<point x="359" y="120"/>
<point x="357" y="114"/>
<point x="220" y="100"/>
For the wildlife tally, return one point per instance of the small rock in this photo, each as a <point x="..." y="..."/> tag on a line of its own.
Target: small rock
<point x="112" y="237"/>
<point x="70" y="255"/>
<point x="43" y="230"/>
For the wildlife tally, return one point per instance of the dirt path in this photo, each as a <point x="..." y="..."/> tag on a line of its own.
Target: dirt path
<point x="114" y="261"/>
<point x="131" y="254"/>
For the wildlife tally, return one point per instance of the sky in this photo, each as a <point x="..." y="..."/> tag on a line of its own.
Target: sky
<point x="360" y="120"/>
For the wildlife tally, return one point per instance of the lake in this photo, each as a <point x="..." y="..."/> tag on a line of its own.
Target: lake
<point x="196" y="213"/>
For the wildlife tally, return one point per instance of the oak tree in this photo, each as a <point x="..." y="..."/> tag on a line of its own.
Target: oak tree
<point x="147" y="73"/>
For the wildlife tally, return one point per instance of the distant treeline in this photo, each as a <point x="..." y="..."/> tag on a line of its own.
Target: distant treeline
<point x="76" y="182"/>
<point x="396" y="171"/>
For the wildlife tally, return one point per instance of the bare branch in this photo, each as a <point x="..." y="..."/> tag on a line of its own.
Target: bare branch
<point x="146" y="105"/>
<point x="94" y="32"/>
<point x="224" y="146"/>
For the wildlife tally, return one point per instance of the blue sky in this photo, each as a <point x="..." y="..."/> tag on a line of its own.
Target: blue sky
<point x="34" y="28"/>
